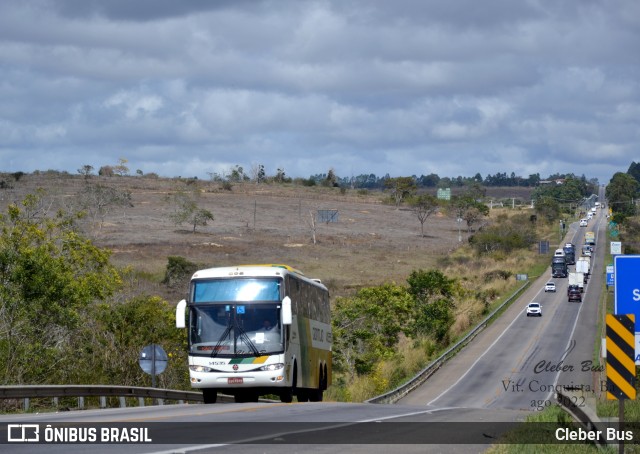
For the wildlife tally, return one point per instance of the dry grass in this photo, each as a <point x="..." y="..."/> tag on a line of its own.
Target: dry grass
<point x="371" y="243"/>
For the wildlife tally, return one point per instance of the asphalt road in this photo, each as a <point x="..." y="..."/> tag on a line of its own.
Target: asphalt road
<point x="519" y="362"/>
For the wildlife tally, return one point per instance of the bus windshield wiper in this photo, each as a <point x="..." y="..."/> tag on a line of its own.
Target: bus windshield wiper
<point x="245" y="338"/>
<point x="224" y="335"/>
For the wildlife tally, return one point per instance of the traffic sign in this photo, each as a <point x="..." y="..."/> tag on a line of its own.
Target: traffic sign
<point x="627" y="286"/>
<point x="616" y="247"/>
<point x="153" y="361"/>
<point x="621" y="368"/>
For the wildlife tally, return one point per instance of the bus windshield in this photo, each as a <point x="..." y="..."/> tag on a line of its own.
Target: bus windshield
<point x="235" y="329"/>
<point x="237" y="289"/>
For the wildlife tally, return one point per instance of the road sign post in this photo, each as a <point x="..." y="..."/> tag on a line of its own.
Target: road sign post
<point x="153" y="360"/>
<point x="621" y="368"/>
<point x="626" y="269"/>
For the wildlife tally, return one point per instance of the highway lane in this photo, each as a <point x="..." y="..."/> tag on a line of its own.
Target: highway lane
<point x="309" y="427"/>
<point x="519" y="362"/>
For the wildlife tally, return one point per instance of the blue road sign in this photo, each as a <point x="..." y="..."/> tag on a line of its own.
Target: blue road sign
<point x="627" y="285"/>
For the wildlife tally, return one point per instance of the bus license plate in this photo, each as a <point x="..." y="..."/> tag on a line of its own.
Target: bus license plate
<point x="234" y="381"/>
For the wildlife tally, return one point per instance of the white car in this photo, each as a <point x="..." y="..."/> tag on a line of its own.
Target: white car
<point x="584" y="222"/>
<point x="534" y="310"/>
<point x="550" y="287"/>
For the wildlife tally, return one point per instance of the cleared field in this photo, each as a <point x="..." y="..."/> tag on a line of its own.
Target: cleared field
<point x="370" y="243"/>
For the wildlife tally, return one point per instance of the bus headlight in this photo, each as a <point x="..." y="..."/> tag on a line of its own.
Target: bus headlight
<point x="201" y="369"/>
<point x="270" y="367"/>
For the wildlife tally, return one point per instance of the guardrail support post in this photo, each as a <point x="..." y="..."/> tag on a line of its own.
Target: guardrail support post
<point x="141" y="401"/>
<point x="56" y="401"/>
<point x="103" y="402"/>
<point x="26" y="404"/>
<point x="160" y="401"/>
<point x="123" y="402"/>
<point x="81" y="403"/>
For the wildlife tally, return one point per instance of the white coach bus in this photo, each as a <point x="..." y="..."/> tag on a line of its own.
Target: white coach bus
<point x="257" y="330"/>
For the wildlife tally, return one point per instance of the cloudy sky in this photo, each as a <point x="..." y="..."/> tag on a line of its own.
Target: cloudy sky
<point x="405" y="87"/>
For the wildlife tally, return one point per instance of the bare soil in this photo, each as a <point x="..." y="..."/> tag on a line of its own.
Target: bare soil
<point x="371" y="242"/>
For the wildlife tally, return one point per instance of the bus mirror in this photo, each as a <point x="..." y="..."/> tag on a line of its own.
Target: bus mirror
<point x="286" y="311"/>
<point x="180" y="312"/>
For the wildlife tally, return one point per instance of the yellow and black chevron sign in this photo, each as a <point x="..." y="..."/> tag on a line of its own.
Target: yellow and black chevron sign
<point x="621" y="366"/>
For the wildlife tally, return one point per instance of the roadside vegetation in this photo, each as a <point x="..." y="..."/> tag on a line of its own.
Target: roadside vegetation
<point x="85" y="320"/>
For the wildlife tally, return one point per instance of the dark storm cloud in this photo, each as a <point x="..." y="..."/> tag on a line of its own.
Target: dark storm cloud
<point x="141" y="10"/>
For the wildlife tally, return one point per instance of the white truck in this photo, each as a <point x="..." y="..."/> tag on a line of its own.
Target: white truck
<point x="576" y="280"/>
<point x="583" y="265"/>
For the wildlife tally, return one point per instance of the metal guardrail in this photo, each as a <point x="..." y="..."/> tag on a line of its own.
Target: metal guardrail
<point x="582" y="414"/>
<point x="27" y="392"/>
<point x="401" y="391"/>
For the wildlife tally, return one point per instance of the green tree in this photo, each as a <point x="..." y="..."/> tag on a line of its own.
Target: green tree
<point x="121" y="168"/>
<point x="331" y="180"/>
<point x="634" y="170"/>
<point x="98" y="200"/>
<point x="423" y="206"/>
<point x="400" y="188"/>
<point x="187" y="210"/>
<point x="237" y="174"/>
<point x="50" y="274"/>
<point x="547" y="208"/>
<point x="621" y="193"/>
<point x="124" y="328"/>
<point x="433" y="295"/>
<point x="466" y="206"/>
<point x="510" y="234"/>
<point x="86" y="171"/>
<point x="366" y="327"/>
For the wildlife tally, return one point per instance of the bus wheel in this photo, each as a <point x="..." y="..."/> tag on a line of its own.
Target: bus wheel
<point x="209" y="395"/>
<point x="286" y="396"/>
<point x="315" y="395"/>
<point x="303" y="395"/>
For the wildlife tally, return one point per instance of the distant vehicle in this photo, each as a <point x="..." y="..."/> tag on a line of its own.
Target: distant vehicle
<point x="569" y="253"/>
<point x="583" y="265"/>
<point x="584" y="222"/>
<point x="586" y="250"/>
<point x="550" y="287"/>
<point x="597" y="204"/>
<point x="559" y="267"/>
<point x="575" y="295"/>
<point x="576" y="279"/>
<point x="590" y="238"/>
<point x="593" y="210"/>
<point x="589" y="215"/>
<point x="559" y="253"/>
<point x="534" y="310"/>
